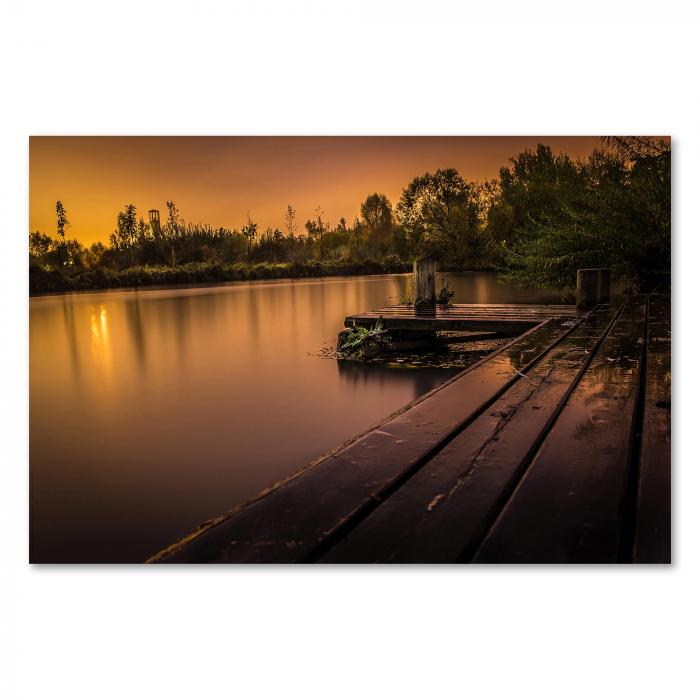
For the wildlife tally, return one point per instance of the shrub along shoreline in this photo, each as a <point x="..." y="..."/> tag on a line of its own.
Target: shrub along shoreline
<point x="45" y="280"/>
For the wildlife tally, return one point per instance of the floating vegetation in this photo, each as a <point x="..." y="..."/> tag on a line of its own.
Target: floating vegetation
<point x="444" y="354"/>
<point x="449" y="356"/>
<point x="359" y="335"/>
<point x="446" y="293"/>
<point x="359" y="343"/>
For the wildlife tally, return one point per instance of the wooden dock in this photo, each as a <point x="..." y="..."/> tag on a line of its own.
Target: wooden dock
<point x="553" y="449"/>
<point x="465" y="317"/>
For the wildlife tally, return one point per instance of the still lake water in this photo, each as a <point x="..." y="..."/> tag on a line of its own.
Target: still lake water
<point x="153" y="410"/>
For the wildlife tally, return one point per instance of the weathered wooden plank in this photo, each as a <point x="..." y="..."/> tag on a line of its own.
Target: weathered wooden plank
<point x="462" y="312"/>
<point x="446" y="508"/>
<point x="289" y="523"/>
<point x="570" y="504"/>
<point x="449" y="314"/>
<point x="555" y="307"/>
<point x="524" y="316"/>
<point x="513" y="318"/>
<point x="653" y="527"/>
<point x="473" y="308"/>
<point x="487" y="324"/>
<point x="570" y="307"/>
<point x="545" y="310"/>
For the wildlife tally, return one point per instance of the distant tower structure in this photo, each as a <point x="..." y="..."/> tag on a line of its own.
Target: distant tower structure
<point x="154" y="219"/>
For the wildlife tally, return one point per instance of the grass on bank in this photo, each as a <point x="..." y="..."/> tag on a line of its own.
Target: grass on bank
<point x="45" y="280"/>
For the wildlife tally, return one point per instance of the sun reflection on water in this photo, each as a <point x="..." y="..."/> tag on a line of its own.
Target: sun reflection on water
<point x="101" y="344"/>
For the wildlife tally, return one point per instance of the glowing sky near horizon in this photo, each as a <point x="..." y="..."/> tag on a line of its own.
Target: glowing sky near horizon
<point x="219" y="179"/>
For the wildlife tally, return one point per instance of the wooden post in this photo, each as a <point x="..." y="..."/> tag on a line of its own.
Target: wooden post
<point x="592" y="286"/>
<point x="424" y="284"/>
<point x="586" y="287"/>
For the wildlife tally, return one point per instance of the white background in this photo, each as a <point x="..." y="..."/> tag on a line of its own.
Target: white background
<point x="347" y="68"/>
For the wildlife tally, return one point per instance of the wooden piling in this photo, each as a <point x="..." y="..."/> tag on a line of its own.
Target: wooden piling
<point x="586" y="287"/>
<point x="592" y="286"/>
<point x="424" y="284"/>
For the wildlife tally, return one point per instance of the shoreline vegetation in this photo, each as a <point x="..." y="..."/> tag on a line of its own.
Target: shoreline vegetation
<point x="544" y="217"/>
<point x="48" y="281"/>
<point x="56" y="281"/>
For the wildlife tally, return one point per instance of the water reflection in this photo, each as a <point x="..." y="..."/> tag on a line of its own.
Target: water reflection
<point x="72" y="340"/>
<point x="358" y="374"/>
<point x="153" y="410"/>
<point x="101" y="344"/>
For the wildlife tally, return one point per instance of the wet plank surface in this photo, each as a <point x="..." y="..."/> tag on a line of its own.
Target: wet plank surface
<point x="570" y="504"/>
<point x="555" y="448"/>
<point x="653" y="531"/>
<point x="444" y="511"/>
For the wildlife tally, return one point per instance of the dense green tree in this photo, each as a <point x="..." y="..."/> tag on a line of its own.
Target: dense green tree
<point x="96" y="254"/>
<point x="143" y="231"/>
<point x="440" y="214"/>
<point x="277" y="238"/>
<point x="534" y="188"/>
<point x="619" y="215"/>
<point x="316" y="229"/>
<point x="48" y="253"/>
<point x="124" y="237"/>
<point x="377" y="216"/>
<point x="42" y="250"/>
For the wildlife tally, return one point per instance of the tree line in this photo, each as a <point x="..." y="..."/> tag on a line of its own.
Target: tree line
<point x="544" y="216"/>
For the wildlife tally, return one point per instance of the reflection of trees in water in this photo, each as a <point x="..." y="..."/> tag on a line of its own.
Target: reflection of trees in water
<point x="399" y="288"/>
<point x="253" y="314"/>
<point x="317" y="302"/>
<point x="608" y="381"/>
<point x="589" y="427"/>
<point x="134" y="323"/>
<point x="601" y="397"/>
<point x="486" y="288"/>
<point x="519" y="357"/>
<point x="294" y="335"/>
<point x="72" y="335"/>
<point x="172" y="316"/>
<point x="175" y="324"/>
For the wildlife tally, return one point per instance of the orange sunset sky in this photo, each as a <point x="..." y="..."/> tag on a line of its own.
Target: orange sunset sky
<point x="219" y="179"/>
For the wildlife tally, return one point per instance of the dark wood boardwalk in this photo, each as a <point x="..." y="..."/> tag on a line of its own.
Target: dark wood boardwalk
<point x="554" y="449"/>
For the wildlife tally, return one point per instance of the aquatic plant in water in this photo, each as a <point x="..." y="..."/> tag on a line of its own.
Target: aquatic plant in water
<point x="359" y="335"/>
<point x="446" y="293"/>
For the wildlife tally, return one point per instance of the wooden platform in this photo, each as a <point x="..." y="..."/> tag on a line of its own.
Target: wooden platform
<point x="554" y="449"/>
<point x="464" y="317"/>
